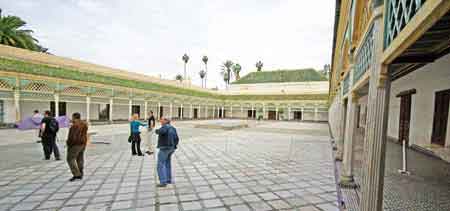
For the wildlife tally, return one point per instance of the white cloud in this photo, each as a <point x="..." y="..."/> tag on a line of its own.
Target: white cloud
<point x="151" y="36"/>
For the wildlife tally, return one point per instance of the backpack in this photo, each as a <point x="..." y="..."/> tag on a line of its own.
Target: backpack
<point x="53" y="126"/>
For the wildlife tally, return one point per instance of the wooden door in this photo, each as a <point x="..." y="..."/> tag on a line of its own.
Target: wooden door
<point x="441" y="107"/>
<point x="405" y="118"/>
<point x="272" y="115"/>
<point x="297" y="115"/>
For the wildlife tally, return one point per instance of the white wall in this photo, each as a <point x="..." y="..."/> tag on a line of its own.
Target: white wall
<point x="27" y="107"/>
<point x="121" y="112"/>
<point x="76" y="107"/>
<point x="426" y="80"/>
<point x="10" y="113"/>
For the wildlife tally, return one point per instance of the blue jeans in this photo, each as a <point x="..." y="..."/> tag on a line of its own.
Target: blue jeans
<point x="164" y="165"/>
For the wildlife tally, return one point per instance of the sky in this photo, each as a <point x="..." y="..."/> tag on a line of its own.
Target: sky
<point x="151" y="36"/>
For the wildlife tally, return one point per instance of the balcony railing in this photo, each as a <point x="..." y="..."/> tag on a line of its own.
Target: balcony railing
<point x="399" y="13"/>
<point x="346" y="85"/>
<point x="364" y="56"/>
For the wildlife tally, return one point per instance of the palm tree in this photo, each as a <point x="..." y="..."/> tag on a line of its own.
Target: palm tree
<point x="179" y="77"/>
<point x="202" y="74"/>
<point x="205" y="60"/>
<point x="12" y="35"/>
<point x="259" y="65"/>
<point x="226" y="67"/>
<point x="185" y="59"/>
<point x="236" y="70"/>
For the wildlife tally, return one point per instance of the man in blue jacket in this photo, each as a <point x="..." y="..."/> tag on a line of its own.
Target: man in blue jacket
<point x="167" y="144"/>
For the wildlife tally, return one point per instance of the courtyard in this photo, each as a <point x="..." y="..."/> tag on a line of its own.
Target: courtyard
<point x="268" y="166"/>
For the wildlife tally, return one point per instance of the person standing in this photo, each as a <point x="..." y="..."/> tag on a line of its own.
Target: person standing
<point x="167" y="144"/>
<point x="76" y="145"/>
<point x="135" y="136"/>
<point x="151" y="125"/>
<point x="48" y="131"/>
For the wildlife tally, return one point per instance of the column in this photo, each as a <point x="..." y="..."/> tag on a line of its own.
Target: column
<point x="130" y="108"/>
<point x="223" y="112"/>
<point x="206" y="111"/>
<point x="231" y="112"/>
<point x="289" y="112"/>
<point x="377" y="120"/>
<point x="198" y="112"/>
<point x="145" y="109"/>
<point x="181" y="111"/>
<point x="190" y="112"/>
<point x="17" y="105"/>
<point x="111" y="101"/>
<point x="303" y="112"/>
<point x="346" y="177"/>
<point x="315" y="114"/>
<point x="88" y="109"/>
<point x="56" y="105"/>
<point x="264" y="111"/>
<point x="341" y="127"/>
<point x="253" y="112"/>
<point x="158" y="111"/>
<point x="276" y="113"/>
<point x="242" y="112"/>
<point x="170" y="112"/>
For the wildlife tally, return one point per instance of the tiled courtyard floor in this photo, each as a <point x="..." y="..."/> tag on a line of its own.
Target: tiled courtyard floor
<point x="269" y="166"/>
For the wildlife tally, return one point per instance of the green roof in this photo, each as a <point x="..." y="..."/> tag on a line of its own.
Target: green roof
<point x="281" y="76"/>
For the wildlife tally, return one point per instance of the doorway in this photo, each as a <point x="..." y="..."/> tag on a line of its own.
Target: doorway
<point x="61" y="106"/>
<point x="195" y="113"/>
<point x="297" y="115"/>
<point x="161" y="112"/>
<point x="440" y="120"/>
<point x="103" y="112"/>
<point x="272" y="115"/>
<point x="405" y="118"/>
<point x="2" y="112"/>
<point x="135" y="109"/>
<point x="180" y="112"/>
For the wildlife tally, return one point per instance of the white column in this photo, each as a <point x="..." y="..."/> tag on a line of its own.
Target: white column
<point x="346" y="177"/>
<point x="303" y="113"/>
<point x="111" y="102"/>
<point x="315" y="114"/>
<point x="264" y="111"/>
<point x="242" y="112"/>
<point x="198" y="112"/>
<point x="377" y="121"/>
<point x="223" y="112"/>
<point x="231" y="111"/>
<point x="190" y="112"/>
<point x="289" y="113"/>
<point x="130" y="108"/>
<point x="214" y="112"/>
<point x="170" y="106"/>
<point x="252" y="111"/>
<point x="88" y="108"/>
<point x="145" y="109"/>
<point x="56" y="105"/>
<point x="158" y="111"/>
<point x="17" y="105"/>
<point x="206" y="111"/>
<point x="276" y="113"/>
<point x="181" y="111"/>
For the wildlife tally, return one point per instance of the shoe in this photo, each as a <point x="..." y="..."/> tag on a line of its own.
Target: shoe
<point x="140" y="154"/>
<point x="46" y="158"/>
<point x="73" y="179"/>
<point x="133" y="154"/>
<point x="161" y="185"/>
<point x="57" y="158"/>
<point x="149" y="153"/>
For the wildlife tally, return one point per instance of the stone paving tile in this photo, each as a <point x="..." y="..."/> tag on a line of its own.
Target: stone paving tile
<point x="208" y="176"/>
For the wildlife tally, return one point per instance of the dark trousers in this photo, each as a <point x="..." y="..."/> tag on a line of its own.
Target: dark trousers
<point x="49" y="146"/>
<point x="136" y="144"/>
<point x="75" y="159"/>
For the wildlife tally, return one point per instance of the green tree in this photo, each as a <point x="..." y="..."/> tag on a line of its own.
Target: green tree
<point x="179" y="77"/>
<point x="226" y="68"/>
<point x="236" y="70"/>
<point x="13" y="34"/>
<point x="259" y="65"/>
<point x="205" y="61"/>
<point x="185" y="59"/>
<point x="202" y="74"/>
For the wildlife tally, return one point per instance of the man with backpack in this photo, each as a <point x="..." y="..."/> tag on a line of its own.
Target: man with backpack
<point x="167" y="144"/>
<point x="48" y="131"/>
